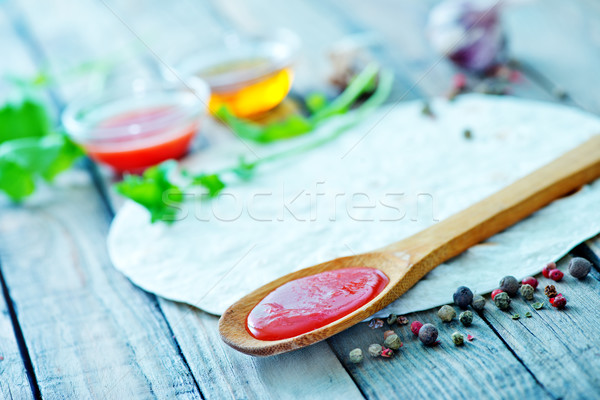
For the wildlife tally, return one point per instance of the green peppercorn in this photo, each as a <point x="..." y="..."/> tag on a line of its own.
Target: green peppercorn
<point x="502" y="301"/>
<point x="527" y="291"/>
<point x="458" y="338"/>
<point x="393" y="342"/>
<point x="478" y="303"/>
<point x="466" y="318"/>
<point x="446" y="313"/>
<point x="356" y="356"/>
<point x="375" y="350"/>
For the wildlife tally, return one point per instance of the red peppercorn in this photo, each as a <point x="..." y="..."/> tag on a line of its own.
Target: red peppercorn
<point x="530" y="280"/>
<point x="559" y="301"/>
<point x="387" y="353"/>
<point x="415" y="327"/>
<point x="556" y="275"/>
<point x="549" y="267"/>
<point x="459" y="81"/>
<point x="495" y="292"/>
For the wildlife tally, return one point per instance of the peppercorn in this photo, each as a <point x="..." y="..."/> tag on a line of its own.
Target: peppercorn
<point x="415" y="327"/>
<point x="495" y="292"/>
<point x="428" y="334"/>
<point x="446" y="313"/>
<point x="466" y="318"/>
<point x="375" y="350"/>
<point x="510" y="285"/>
<point x="391" y="320"/>
<point x="559" y="301"/>
<point x="530" y="280"/>
<point x="356" y="356"/>
<point x="458" y="338"/>
<point x="502" y="301"/>
<point x="387" y="353"/>
<point x="375" y="323"/>
<point x="538" y="306"/>
<point x="463" y="297"/>
<point x="549" y="267"/>
<point x="478" y="303"/>
<point x="579" y="267"/>
<point x="402" y="320"/>
<point x="527" y="291"/>
<point x="550" y="291"/>
<point x="556" y="275"/>
<point x="393" y="342"/>
<point x="388" y="333"/>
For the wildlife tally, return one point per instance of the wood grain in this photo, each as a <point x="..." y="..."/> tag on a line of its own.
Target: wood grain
<point x="560" y="347"/>
<point x="407" y="261"/>
<point x="89" y="332"/>
<point x="222" y="372"/>
<point x="483" y="368"/>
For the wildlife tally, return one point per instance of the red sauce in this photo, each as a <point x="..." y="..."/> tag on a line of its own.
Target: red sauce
<point x="312" y="302"/>
<point x="154" y="144"/>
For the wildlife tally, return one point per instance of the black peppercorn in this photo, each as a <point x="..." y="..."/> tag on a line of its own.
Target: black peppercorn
<point x="428" y="334"/>
<point x="509" y="285"/>
<point x="463" y="297"/>
<point x="579" y="267"/>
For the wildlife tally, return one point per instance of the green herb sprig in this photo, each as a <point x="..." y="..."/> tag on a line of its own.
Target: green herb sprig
<point x="156" y="191"/>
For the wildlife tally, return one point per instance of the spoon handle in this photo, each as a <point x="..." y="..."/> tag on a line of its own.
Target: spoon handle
<point x="497" y="212"/>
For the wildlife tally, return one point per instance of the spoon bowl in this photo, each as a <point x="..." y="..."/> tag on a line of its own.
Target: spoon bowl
<point x="407" y="261"/>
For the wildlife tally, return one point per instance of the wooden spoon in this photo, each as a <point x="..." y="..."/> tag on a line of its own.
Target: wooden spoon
<point x="408" y="260"/>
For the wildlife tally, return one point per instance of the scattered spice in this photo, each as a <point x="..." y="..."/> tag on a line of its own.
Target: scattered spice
<point x="549" y="267"/>
<point x="356" y="356"/>
<point x="530" y="280"/>
<point x="427" y="111"/>
<point x="388" y="333"/>
<point x="375" y="350"/>
<point x="528" y="314"/>
<point x="466" y="318"/>
<point x="393" y="342"/>
<point x="559" y="301"/>
<point x="387" y="353"/>
<point x="458" y="338"/>
<point x="415" y="327"/>
<point x="478" y="303"/>
<point x="468" y="134"/>
<point x="579" y="267"/>
<point x="470" y="338"/>
<point x="495" y="292"/>
<point x="550" y="291"/>
<point x="527" y="291"/>
<point x="502" y="301"/>
<point x="463" y="297"/>
<point x="516" y="316"/>
<point x="428" y="335"/>
<point x="1" y="358"/>
<point x="391" y="320"/>
<point x="375" y="323"/>
<point x="446" y="313"/>
<point x="402" y="320"/>
<point x="556" y="275"/>
<point x="510" y="285"/>
<point x="538" y="306"/>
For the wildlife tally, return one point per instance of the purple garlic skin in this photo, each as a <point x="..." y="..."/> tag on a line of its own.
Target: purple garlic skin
<point x="469" y="33"/>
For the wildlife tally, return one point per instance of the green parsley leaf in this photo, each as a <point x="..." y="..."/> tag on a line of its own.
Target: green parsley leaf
<point x="154" y="191"/>
<point x="28" y="119"/>
<point x="212" y="182"/>
<point x="244" y="170"/>
<point x="315" y="102"/>
<point x="17" y="182"/>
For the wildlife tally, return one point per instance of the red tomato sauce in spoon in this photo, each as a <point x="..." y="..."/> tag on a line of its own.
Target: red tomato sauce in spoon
<point x="309" y="303"/>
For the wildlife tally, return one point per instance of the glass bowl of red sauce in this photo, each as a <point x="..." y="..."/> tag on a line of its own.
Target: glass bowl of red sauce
<point x="131" y="131"/>
<point x="248" y="75"/>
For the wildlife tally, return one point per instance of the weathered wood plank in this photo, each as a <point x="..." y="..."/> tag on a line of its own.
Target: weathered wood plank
<point x="483" y="368"/>
<point x="13" y="382"/>
<point x="561" y="347"/>
<point x="89" y="332"/>
<point x="222" y="372"/>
